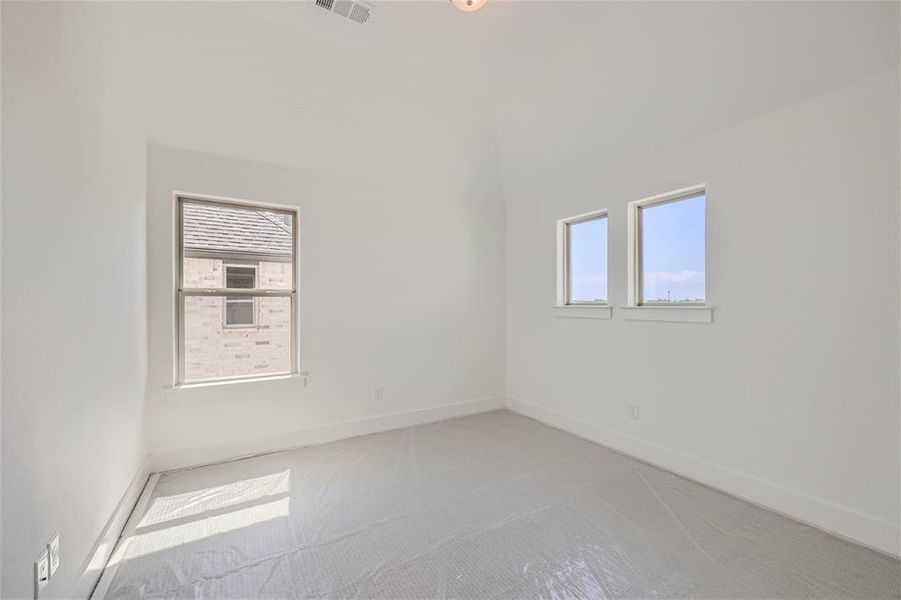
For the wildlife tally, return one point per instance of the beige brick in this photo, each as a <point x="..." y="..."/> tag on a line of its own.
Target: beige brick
<point x="211" y="349"/>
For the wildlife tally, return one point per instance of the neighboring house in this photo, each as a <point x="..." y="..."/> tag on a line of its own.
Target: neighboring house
<point x="233" y="335"/>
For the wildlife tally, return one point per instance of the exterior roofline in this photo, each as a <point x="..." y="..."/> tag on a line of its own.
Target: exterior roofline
<point x="218" y="254"/>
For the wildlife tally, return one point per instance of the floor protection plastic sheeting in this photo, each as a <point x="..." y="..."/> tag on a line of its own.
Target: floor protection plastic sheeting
<point x="488" y="506"/>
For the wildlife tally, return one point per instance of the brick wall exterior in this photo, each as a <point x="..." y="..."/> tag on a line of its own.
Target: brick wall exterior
<point x="213" y="350"/>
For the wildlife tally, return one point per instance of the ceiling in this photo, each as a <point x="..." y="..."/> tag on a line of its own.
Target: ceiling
<point x="648" y="74"/>
<point x="517" y="82"/>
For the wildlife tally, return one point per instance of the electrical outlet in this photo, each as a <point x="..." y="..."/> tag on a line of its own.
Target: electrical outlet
<point x="633" y="412"/>
<point x="379" y="394"/>
<point x="53" y="550"/>
<point x="41" y="572"/>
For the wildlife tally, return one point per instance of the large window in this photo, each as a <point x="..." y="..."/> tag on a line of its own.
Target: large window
<point x="236" y="291"/>
<point x="668" y="250"/>
<point x="583" y="260"/>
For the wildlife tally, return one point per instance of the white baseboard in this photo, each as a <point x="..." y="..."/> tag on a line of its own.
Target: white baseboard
<point x="125" y="539"/>
<point x="103" y="547"/>
<point x="842" y="521"/>
<point x="204" y="455"/>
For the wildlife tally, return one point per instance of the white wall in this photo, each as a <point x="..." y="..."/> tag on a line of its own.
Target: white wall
<point x="790" y="397"/>
<point x="400" y="287"/>
<point x="384" y="139"/>
<point x="73" y="255"/>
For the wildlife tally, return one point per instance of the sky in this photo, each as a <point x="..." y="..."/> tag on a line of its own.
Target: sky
<point x="588" y="252"/>
<point x="672" y="255"/>
<point x="673" y="251"/>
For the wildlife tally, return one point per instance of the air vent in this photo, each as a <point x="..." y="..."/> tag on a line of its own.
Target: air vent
<point x="359" y="12"/>
<point x="350" y="9"/>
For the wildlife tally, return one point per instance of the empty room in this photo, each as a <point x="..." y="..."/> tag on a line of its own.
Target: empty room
<point x="463" y="299"/>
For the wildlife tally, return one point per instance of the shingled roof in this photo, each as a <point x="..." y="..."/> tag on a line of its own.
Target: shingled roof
<point x="215" y="230"/>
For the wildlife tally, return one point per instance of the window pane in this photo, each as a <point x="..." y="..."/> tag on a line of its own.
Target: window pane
<point x="218" y="234"/>
<point x="240" y="277"/>
<point x="240" y="311"/>
<point x="672" y="252"/>
<point x="588" y="261"/>
<point x="213" y="351"/>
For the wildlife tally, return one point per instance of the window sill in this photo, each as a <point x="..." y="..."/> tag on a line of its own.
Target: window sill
<point x="225" y="389"/>
<point x="217" y="382"/>
<point x="583" y="311"/>
<point x="674" y="314"/>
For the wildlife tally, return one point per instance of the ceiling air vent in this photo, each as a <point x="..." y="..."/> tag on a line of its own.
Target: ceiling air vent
<point x="350" y="9"/>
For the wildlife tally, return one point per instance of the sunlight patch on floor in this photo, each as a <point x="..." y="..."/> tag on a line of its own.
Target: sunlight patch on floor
<point x="195" y="502"/>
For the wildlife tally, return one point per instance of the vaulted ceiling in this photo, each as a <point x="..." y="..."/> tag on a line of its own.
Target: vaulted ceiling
<point x="517" y="82"/>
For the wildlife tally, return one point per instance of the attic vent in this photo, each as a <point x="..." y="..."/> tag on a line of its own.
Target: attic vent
<point x="355" y="10"/>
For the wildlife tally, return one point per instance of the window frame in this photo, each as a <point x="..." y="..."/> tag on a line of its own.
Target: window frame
<point x="181" y="292"/>
<point x="231" y="297"/>
<point x="636" y="259"/>
<point x="564" y="253"/>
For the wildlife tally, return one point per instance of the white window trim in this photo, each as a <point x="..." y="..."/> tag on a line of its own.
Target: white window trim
<point x="668" y="312"/>
<point x="178" y="370"/>
<point x="564" y="307"/>
<point x="635" y="310"/>
<point x="256" y="304"/>
<point x="172" y="392"/>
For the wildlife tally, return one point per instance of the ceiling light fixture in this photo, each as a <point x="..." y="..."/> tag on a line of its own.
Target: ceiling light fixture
<point x="469" y="5"/>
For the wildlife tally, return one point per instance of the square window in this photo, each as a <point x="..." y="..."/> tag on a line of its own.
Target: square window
<point x="240" y="277"/>
<point x="669" y="250"/>
<point x="583" y="260"/>
<point x="236" y="292"/>
<point x="240" y="312"/>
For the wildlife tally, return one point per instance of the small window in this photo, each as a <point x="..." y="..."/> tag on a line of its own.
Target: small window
<point x="236" y="290"/>
<point x="668" y="251"/>
<point x="240" y="277"/>
<point x="583" y="260"/>
<point x="240" y="312"/>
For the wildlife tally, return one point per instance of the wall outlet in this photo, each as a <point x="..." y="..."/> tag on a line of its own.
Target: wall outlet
<point x="53" y="551"/>
<point x="633" y="412"/>
<point x="41" y="572"/>
<point x="379" y="394"/>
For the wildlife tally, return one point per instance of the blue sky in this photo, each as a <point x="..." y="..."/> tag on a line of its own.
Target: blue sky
<point x="673" y="251"/>
<point x="588" y="247"/>
<point x="673" y="254"/>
